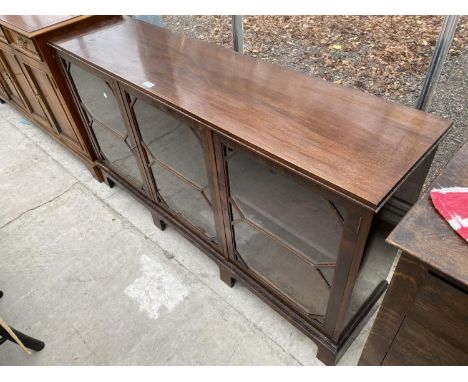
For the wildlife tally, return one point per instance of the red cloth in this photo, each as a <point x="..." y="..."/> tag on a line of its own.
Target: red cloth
<point x="452" y="204"/>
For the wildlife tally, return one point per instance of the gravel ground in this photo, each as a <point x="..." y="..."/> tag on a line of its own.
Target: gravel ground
<point x="386" y="56"/>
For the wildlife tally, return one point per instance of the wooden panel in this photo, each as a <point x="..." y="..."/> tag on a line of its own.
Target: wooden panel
<point x="29" y="95"/>
<point x="23" y="43"/>
<point x="398" y="300"/>
<point x="6" y="84"/>
<point x="442" y="309"/>
<point x="10" y="70"/>
<point x="423" y="233"/>
<point x="3" y="92"/>
<point x="43" y="85"/>
<point x="2" y="35"/>
<point x="32" y="25"/>
<point x="356" y="143"/>
<point x="416" y="345"/>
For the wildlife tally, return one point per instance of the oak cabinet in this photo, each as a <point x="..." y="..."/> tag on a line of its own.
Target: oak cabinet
<point x="274" y="174"/>
<point x="27" y="79"/>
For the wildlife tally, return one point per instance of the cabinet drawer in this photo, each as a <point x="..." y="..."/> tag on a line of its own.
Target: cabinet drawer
<point x="417" y="345"/>
<point x="443" y="309"/>
<point x="22" y="43"/>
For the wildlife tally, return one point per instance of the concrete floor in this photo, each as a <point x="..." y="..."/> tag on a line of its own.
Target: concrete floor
<point x="84" y="269"/>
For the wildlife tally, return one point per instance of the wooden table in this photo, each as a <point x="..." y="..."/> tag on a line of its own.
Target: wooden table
<point x="287" y="182"/>
<point x="423" y="319"/>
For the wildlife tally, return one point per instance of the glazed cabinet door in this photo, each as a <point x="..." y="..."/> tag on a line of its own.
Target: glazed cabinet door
<point x="43" y="84"/>
<point x="9" y="67"/>
<point x="179" y="156"/>
<point x="282" y="232"/>
<point x="98" y="100"/>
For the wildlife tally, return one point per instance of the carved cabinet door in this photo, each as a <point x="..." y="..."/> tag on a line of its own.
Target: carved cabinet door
<point x="3" y="91"/>
<point x="43" y="85"/>
<point x="31" y="98"/>
<point x="9" y="67"/>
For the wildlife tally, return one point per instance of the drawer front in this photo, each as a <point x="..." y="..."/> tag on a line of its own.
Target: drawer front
<point x="417" y="345"/>
<point x="22" y="43"/>
<point x="443" y="309"/>
<point x="435" y="330"/>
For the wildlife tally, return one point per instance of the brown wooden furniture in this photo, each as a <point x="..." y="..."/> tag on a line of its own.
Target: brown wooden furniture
<point x="423" y="319"/>
<point x="28" y="81"/>
<point x="290" y="184"/>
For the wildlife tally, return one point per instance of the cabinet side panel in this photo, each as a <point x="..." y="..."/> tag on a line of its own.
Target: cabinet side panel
<point x="400" y="296"/>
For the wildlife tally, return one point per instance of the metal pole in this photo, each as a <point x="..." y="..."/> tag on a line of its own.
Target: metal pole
<point x="437" y="62"/>
<point x="237" y="34"/>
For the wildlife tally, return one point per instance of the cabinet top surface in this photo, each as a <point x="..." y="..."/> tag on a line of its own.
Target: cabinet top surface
<point x="424" y="234"/>
<point x="33" y="25"/>
<point x="355" y="143"/>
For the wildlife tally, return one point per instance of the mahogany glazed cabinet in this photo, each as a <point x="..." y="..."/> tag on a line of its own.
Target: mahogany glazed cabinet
<point x="290" y="184"/>
<point x="28" y="80"/>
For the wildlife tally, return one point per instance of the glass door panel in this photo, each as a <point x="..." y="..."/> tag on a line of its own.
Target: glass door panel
<point x="177" y="162"/>
<point x="98" y="98"/>
<point x="100" y="106"/>
<point x="117" y="151"/>
<point x="284" y="232"/>
<point x="290" y="274"/>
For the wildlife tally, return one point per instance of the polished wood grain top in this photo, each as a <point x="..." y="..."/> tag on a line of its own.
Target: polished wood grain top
<point x="355" y="143"/>
<point x="33" y="25"/>
<point x="424" y="234"/>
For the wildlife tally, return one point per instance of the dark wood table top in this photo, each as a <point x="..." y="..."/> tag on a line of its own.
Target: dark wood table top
<point x="424" y="234"/>
<point x="358" y="144"/>
<point x="33" y="25"/>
